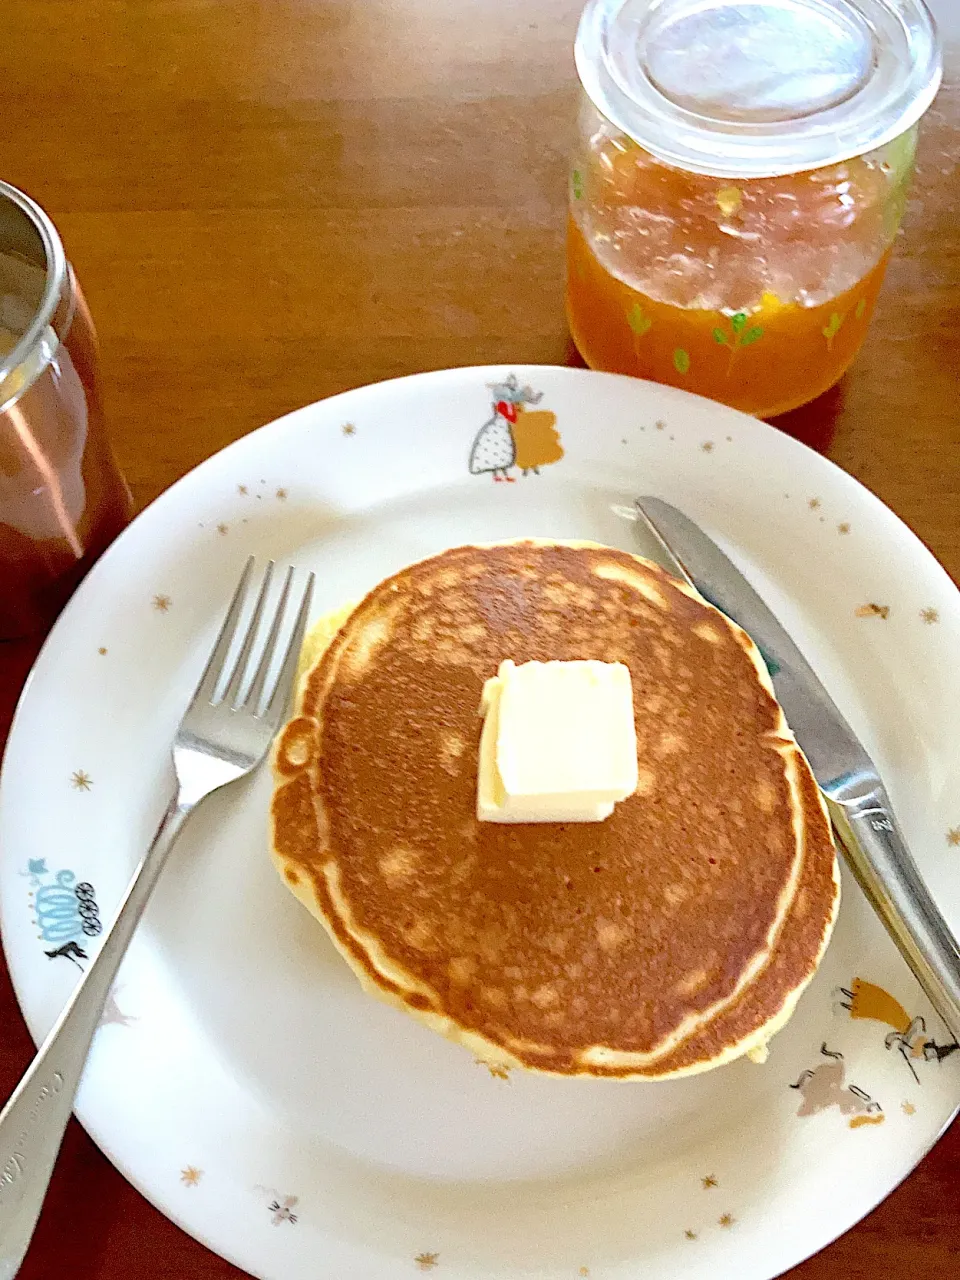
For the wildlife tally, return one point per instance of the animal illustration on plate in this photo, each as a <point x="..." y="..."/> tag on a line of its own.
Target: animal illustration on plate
<point x="908" y="1035"/>
<point x="69" y="951"/>
<point x="826" y="1086"/>
<point x="279" y="1205"/>
<point x="282" y="1210"/>
<point x="515" y="435"/>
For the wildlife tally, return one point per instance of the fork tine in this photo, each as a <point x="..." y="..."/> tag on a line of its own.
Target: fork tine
<point x="280" y="697"/>
<point x="252" y="703"/>
<point x="215" y="663"/>
<point x="231" y="694"/>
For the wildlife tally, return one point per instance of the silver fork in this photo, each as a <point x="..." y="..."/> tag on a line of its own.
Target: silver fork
<point x="222" y="737"/>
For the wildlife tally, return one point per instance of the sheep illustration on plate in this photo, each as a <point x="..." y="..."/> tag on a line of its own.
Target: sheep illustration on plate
<point x="515" y="435"/>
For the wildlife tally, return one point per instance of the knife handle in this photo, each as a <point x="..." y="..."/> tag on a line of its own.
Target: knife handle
<point x="878" y="855"/>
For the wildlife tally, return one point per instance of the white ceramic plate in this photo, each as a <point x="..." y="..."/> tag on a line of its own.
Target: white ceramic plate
<point x="242" y="1081"/>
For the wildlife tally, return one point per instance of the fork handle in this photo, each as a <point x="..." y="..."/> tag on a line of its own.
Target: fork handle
<point x="33" y="1122"/>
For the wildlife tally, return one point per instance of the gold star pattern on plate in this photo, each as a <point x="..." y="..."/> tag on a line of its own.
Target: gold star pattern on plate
<point x="427" y="1261"/>
<point x="349" y="429"/>
<point x="709" y="1181"/>
<point x="707" y="446"/>
<point x="101" y="651"/>
<point x="930" y="616"/>
<point x="223" y="528"/>
<point x="660" y="425"/>
<point x="873" y="611"/>
<point x="727" y="1220"/>
<point x="242" y="489"/>
<point x="162" y="603"/>
<point x="282" y="495"/>
<point x="953" y="837"/>
<point x="814" y="504"/>
<point x="584" y="1271"/>
<point x="191" y="1175"/>
<point x="81" y="781"/>
<point x="690" y="1235"/>
<point x="843" y="526"/>
<point x="908" y="1108"/>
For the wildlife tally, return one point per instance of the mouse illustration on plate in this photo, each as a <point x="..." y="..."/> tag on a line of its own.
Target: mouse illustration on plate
<point x="826" y="1086"/>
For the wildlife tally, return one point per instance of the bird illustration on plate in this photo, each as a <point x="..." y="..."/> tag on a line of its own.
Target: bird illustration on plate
<point x="515" y="435"/>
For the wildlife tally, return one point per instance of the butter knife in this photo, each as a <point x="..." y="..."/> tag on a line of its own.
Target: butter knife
<point x="859" y="806"/>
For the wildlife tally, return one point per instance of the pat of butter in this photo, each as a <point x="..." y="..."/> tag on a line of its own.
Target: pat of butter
<point x="558" y="742"/>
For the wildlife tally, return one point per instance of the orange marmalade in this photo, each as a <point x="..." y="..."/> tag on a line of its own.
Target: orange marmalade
<point x="757" y="293"/>
<point x="739" y="178"/>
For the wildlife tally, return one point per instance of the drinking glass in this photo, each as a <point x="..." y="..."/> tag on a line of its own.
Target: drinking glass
<point x="62" y="497"/>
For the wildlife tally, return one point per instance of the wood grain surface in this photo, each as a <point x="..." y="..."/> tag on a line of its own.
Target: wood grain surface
<point x="268" y="201"/>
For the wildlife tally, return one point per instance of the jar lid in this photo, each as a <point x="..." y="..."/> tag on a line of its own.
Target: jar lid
<point x="757" y="88"/>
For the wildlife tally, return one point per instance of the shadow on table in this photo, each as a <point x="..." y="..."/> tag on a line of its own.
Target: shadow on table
<point x="16" y="659"/>
<point x="814" y="424"/>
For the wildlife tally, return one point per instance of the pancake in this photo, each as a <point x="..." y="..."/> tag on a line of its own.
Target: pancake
<point x="674" y="936"/>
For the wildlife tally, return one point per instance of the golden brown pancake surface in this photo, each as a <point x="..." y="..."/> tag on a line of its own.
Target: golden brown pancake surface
<point x="672" y="936"/>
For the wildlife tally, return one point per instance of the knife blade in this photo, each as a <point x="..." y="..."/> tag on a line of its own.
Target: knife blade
<point x="860" y="808"/>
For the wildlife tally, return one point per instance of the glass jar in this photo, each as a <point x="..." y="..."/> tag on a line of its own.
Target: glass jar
<point x="741" y="172"/>
<point x="62" y="497"/>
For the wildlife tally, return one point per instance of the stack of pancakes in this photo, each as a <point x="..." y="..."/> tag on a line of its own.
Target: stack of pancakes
<point x="672" y="937"/>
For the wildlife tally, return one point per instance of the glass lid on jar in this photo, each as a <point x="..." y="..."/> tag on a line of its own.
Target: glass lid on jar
<point x="757" y="88"/>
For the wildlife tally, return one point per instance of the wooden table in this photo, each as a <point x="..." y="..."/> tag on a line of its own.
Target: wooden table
<point x="269" y="201"/>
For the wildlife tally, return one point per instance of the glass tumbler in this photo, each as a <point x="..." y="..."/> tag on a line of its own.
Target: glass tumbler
<point x="741" y="170"/>
<point x="62" y="497"/>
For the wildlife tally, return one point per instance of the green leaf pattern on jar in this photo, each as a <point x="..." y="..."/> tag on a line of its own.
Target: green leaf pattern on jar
<point x="742" y="334"/>
<point x="833" y="327"/>
<point x="638" y="320"/>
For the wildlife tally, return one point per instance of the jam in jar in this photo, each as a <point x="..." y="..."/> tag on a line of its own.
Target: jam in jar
<point x="737" y="185"/>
